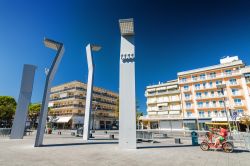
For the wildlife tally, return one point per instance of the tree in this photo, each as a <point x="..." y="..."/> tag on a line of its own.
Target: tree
<point x="245" y="119"/>
<point x="34" y="111"/>
<point x="7" y="110"/>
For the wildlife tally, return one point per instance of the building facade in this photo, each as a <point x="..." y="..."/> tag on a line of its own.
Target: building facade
<point x="67" y="106"/>
<point x="163" y="106"/>
<point x="203" y="100"/>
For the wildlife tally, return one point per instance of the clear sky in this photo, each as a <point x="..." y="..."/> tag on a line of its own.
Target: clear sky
<point x="171" y="36"/>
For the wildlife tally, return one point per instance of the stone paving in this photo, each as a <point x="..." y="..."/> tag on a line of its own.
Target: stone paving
<point x="68" y="150"/>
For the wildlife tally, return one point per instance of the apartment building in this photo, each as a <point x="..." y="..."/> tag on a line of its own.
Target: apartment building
<point x="67" y="106"/>
<point x="202" y="98"/>
<point x="205" y="95"/>
<point x="163" y="106"/>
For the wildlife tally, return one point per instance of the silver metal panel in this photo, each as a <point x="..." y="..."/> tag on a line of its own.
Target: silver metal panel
<point x="44" y="110"/>
<point x="88" y="105"/>
<point x="25" y="94"/>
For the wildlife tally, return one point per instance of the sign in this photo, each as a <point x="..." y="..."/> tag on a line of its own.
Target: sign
<point x="234" y="115"/>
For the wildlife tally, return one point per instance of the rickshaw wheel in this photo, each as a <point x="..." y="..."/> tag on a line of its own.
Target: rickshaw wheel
<point x="204" y="146"/>
<point x="228" y="147"/>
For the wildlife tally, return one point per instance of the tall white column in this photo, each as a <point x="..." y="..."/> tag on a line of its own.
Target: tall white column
<point x="127" y="105"/>
<point x="25" y="94"/>
<point x="46" y="94"/>
<point x="88" y="105"/>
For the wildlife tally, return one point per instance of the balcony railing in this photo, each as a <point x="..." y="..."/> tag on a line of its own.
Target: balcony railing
<point x="163" y="93"/>
<point x="209" y="77"/>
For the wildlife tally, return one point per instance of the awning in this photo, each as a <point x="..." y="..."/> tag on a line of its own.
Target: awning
<point x="63" y="119"/>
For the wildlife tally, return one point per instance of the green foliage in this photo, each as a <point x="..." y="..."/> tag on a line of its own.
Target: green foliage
<point x="34" y="110"/>
<point x="7" y="107"/>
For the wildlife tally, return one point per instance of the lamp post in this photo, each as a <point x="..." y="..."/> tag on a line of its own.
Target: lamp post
<point x="222" y="87"/>
<point x="57" y="46"/>
<point x="88" y="105"/>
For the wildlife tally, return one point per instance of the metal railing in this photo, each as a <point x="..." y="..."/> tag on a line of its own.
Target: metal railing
<point x="5" y="131"/>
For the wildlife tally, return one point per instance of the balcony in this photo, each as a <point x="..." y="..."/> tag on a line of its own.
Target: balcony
<point x="234" y="84"/>
<point x="239" y="94"/>
<point x="238" y="105"/>
<point x="203" y="97"/>
<point x="188" y="98"/>
<point x="210" y="106"/>
<point x="164" y="116"/>
<point x="68" y="105"/>
<point x="163" y="93"/>
<point x="210" y="77"/>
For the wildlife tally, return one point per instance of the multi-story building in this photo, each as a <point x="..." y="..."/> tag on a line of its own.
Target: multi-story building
<point x="207" y="93"/>
<point x="203" y="100"/>
<point x="67" y="106"/>
<point x="163" y="106"/>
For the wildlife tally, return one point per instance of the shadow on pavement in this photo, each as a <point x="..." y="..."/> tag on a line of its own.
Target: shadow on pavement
<point x="163" y="146"/>
<point x="76" y="144"/>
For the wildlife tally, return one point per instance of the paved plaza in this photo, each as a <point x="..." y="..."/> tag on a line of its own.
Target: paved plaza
<point x="69" y="150"/>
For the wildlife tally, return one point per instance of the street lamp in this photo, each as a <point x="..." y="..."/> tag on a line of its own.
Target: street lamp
<point x="88" y="105"/>
<point x="57" y="46"/>
<point x="222" y="87"/>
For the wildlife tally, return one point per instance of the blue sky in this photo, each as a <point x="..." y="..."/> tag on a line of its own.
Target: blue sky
<point x="171" y="36"/>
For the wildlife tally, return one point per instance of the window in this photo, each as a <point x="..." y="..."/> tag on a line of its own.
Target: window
<point x="219" y="82"/>
<point x="151" y="92"/>
<point x="220" y="93"/>
<point x="187" y="96"/>
<point x="211" y="84"/>
<point x="240" y="111"/>
<point x="194" y="78"/>
<point x="201" y="114"/>
<point x="214" y="103"/>
<point x="221" y="103"/>
<point x="212" y="75"/>
<point x="202" y="76"/>
<point x="215" y="113"/>
<point x="204" y="84"/>
<point x="198" y="94"/>
<point x="207" y="103"/>
<point x="189" y="114"/>
<point x="162" y="91"/>
<point x="186" y="87"/>
<point x="237" y="101"/>
<point x="228" y="72"/>
<point x="223" y="113"/>
<point x="209" y="113"/>
<point x="197" y="86"/>
<point x="233" y="81"/>
<point x="188" y="105"/>
<point x="212" y="93"/>
<point x="200" y="104"/>
<point x="184" y="79"/>
<point x="235" y="91"/>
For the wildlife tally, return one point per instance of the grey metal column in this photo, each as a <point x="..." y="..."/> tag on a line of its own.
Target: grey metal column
<point x="88" y="105"/>
<point x="50" y="76"/>
<point x="127" y="106"/>
<point x="25" y="94"/>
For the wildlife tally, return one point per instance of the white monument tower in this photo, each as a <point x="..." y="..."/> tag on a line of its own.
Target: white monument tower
<point x="127" y="105"/>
